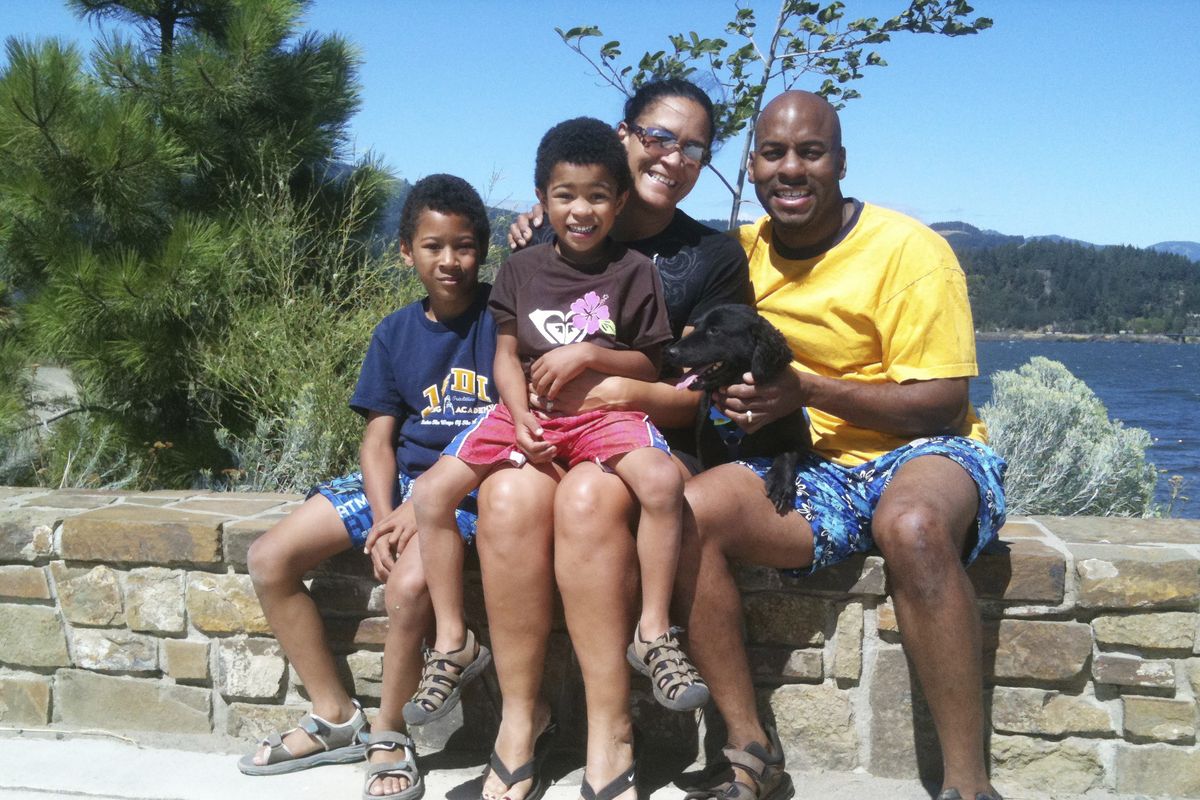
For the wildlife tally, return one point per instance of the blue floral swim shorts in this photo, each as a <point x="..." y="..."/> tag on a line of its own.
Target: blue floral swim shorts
<point x="838" y="502"/>
<point x="346" y="494"/>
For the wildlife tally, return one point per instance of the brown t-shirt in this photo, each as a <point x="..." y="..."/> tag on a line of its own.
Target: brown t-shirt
<point x="616" y="303"/>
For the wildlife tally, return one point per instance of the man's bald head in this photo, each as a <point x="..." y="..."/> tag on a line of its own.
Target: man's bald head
<point x="798" y="104"/>
<point x="797" y="167"/>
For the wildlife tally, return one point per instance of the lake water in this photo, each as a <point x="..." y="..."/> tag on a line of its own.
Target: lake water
<point x="1150" y="386"/>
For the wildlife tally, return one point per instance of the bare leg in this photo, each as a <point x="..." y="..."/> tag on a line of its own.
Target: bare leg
<point x="727" y="517"/>
<point x="516" y="554"/>
<point x="594" y="560"/>
<point x="922" y="534"/>
<point x="651" y="475"/>
<point x="410" y="619"/>
<point x="278" y="560"/>
<point x="435" y="496"/>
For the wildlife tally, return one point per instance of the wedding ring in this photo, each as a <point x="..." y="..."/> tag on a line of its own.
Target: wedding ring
<point x="750" y="416"/>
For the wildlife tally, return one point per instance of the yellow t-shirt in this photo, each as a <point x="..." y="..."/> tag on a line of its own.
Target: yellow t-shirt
<point x="886" y="303"/>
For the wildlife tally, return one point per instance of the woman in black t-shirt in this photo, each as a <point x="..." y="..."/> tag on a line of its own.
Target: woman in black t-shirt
<point x="536" y="528"/>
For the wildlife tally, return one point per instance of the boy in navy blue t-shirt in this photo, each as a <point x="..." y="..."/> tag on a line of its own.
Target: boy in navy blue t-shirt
<point x="426" y="376"/>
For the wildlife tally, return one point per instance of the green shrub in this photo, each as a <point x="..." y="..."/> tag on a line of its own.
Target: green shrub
<point x="1065" y="456"/>
<point x="81" y="451"/>
<point x="278" y="381"/>
<point x="288" y="454"/>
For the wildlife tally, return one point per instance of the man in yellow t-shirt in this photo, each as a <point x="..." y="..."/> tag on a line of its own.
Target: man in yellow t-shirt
<point x="874" y="306"/>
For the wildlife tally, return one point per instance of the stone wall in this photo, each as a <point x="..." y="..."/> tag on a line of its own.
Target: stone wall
<point x="134" y="612"/>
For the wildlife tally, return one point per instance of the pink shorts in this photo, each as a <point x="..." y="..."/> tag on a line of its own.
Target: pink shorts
<point x="594" y="436"/>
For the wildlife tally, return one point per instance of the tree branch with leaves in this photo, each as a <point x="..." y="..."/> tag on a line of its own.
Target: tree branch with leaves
<point x="806" y="39"/>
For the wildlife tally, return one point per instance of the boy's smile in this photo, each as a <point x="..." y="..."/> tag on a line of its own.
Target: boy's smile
<point x="446" y="257"/>
<point x="582" y="203"/>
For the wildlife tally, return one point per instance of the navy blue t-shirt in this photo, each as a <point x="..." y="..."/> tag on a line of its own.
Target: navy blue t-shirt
<point x="434" y="378"/>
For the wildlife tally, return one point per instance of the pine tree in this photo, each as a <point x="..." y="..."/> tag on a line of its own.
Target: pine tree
<point x="122" y="183"/>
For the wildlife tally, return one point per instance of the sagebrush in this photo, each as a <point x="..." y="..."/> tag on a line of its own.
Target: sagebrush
<point x="1065" y="456"/>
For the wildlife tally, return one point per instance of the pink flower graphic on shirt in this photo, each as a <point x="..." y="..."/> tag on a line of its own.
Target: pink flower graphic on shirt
<point x="589" y="312"/>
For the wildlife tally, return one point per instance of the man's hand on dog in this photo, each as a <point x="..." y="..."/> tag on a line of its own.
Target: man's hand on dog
<point x="752" y="406"/>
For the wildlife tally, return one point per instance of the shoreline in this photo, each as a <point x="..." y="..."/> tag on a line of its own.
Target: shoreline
<point x="1034" y="336"/>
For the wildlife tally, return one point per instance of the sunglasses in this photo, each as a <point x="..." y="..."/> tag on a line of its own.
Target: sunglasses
<point x="658" y="139"/>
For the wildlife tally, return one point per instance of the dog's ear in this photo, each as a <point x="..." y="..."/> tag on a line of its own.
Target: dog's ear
<point x="771" y="352"/>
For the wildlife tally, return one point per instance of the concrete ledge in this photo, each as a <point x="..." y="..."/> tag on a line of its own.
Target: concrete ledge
<point x="133" y="611"/>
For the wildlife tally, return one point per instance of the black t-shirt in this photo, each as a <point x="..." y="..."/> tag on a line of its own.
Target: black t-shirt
<point x="700" y="267"/>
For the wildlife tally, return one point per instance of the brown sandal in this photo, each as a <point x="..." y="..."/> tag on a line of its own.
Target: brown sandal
<point x="767" y="771"/>
<point x="676" y="683"/>
<point x="442" y="680"/>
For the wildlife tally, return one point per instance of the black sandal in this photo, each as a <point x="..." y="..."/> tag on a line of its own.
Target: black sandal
<point x="530" y="769"/>
<point x="615" y="787"/>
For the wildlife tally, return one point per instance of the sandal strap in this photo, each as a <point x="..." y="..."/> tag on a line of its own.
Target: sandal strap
<point x="331" y="735"/>
<point x="406" y="768"/>
<point x="403" y="768"/>
<point x="438" y="680"/>
<point x="757" y="762"/>
<point x="746" y="760"/>
<point x="390" y="741"/>
<point x="277" y="750"/>
<point x="616" y="786"/>
<point x="510" y="779"/>
<point x="669" y="667"/>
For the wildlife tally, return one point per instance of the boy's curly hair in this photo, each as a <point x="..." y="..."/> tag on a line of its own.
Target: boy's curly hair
<point x="582" y="141"/>
<point x="446" y="194"/>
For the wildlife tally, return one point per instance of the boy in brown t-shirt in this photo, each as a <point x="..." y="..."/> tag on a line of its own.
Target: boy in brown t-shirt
<point x="581" y="302"/>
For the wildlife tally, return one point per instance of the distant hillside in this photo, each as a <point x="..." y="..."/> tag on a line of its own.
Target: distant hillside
<point x="1186" y="249"/>
<point x="962" y="235"/>
<point x="1040" y="284"/>
<point x="967" y="237"/>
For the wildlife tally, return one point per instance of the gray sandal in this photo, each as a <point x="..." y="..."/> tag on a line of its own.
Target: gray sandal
<point x="442" y="679"/>
<point x="954" y="794"/>
<point x="341" y="743"/>
<point x="405" y="768"/>
<point x="770" y="780"/>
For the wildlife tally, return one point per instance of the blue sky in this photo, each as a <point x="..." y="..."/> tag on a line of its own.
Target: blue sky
<point x="1072" y="117"/>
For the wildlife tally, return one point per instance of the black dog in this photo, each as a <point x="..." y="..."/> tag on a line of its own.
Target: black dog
<point x="729" y="341"/>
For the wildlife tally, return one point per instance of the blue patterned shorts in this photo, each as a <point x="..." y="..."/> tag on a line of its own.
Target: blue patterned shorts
<point x="838" y="502"/>
<point x="346" y="494"/>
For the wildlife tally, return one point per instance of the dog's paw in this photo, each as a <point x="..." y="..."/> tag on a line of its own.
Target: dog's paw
<point x="781" y="490"/>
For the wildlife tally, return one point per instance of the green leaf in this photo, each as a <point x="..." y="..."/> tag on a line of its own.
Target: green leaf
<point x="608" y="326"/>
<point x="579" y="32"/>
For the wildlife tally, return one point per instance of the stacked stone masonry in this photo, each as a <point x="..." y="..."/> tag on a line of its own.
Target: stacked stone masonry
<point x="134" y="612"/>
